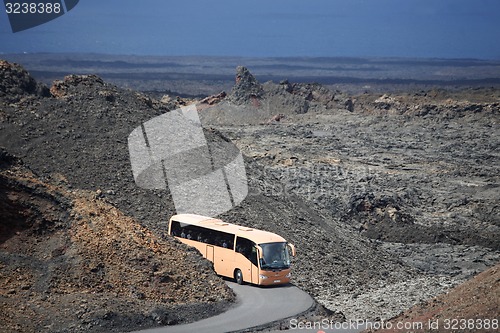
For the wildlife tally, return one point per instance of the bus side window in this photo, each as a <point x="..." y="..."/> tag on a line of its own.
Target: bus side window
<point x="229" y="240"/>
<point x="247" y="248"/>
<point x="175" y="229"/>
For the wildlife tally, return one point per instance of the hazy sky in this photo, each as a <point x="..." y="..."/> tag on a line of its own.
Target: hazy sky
<point x="382" y="28"/>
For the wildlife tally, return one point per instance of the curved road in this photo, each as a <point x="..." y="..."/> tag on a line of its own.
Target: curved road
<point x="255" y="306"/>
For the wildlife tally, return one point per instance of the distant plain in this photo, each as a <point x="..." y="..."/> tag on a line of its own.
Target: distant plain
<point x="197" y="76"/>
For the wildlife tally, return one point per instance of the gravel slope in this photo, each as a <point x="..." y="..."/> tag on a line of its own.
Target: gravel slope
<point x="70" y="262"/>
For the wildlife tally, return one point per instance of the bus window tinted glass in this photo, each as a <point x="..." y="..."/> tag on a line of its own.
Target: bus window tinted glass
<point x="247" y="248"/>
<point x="192" y="232"/>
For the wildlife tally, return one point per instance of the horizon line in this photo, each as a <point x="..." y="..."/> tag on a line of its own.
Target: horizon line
<point x="249" y="57"/>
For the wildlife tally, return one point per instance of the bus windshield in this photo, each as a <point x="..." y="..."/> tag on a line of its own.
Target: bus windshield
<point x="275" y="256"/>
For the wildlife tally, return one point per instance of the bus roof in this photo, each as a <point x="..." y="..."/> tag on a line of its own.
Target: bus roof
<point x="255" y="235"/>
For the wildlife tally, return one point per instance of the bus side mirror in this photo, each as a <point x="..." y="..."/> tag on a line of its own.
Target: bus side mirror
<point x="292" y="249"/>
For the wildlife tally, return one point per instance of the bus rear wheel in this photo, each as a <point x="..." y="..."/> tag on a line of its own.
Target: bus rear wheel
<point x="238" y="276"/>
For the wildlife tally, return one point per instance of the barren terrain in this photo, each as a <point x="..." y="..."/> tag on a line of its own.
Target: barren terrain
<point x="470" y="307"/>
<point x="415" y="172"/>
<point x="391" y="199"/>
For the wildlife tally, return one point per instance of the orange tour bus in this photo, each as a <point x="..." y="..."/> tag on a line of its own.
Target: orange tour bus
<point x="245" y="254"/>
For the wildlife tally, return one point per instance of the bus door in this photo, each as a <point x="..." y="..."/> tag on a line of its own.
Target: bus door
<point x="246" y="259"/>
<point x="209" y="254"/>
<point x="256" y="252"/>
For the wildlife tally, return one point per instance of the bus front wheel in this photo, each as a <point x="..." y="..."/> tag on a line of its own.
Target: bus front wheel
<point x="238" y="276"/>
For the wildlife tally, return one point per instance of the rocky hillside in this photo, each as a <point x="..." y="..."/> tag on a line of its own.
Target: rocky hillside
<point x="16" y="83"/>
<point x="70" y="262"/>
<point x="80" y="133"/>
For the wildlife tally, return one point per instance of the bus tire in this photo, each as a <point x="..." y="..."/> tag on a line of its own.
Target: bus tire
<point x="238" y="276"/>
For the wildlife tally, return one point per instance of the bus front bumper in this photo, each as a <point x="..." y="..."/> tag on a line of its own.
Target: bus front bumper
<point x="268" y="280"/>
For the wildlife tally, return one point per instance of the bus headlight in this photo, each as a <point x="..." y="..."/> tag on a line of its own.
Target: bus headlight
<point x="289" y="275"/>
<point x="262" y="277"/>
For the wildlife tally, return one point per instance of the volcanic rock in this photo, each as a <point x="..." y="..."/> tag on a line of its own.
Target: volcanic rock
<point x="16" y="83"/>
<point x="246" y="89"/>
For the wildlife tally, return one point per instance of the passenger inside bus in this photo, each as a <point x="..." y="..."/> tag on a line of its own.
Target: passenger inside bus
<point x="213" y="237"/>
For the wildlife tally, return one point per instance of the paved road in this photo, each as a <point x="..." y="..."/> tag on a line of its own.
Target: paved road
<point x="255" y="306"/>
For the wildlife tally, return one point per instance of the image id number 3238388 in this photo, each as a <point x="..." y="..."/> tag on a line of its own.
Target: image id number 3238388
<point x="32" y="8"/>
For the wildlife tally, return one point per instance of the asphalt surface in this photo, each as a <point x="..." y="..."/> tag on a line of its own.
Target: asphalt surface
<point x="255" y="306"/>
